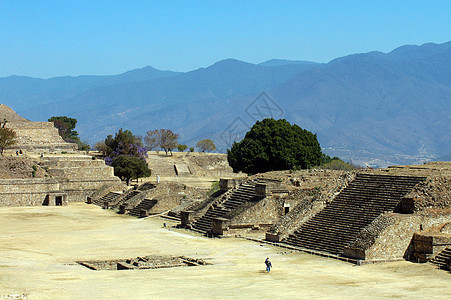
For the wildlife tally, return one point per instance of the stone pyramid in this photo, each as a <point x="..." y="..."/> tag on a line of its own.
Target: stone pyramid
<point x="6" y="113"/>
<point x="34" y="136"/>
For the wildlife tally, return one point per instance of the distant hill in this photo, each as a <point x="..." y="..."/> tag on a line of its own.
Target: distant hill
<point x="21" y="92"/>
<point x="282" y="62"/>
<point x="371" y="108"/>
<point x="104" y="109"/>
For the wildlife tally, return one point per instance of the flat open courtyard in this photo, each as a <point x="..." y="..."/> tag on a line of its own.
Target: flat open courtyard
<point x="40" y="245"/>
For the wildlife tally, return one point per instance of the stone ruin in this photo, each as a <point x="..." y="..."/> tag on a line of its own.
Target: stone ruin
<point x="68" y="178"/>
<point x="361" y="216"/>
<point x="144" y="262"/>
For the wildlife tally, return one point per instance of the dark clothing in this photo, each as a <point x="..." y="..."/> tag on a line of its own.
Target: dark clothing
<point x="268" y="265"/>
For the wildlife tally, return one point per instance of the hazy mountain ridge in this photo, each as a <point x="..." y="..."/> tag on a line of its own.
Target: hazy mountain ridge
<point x="374" y="108"/>
<point x="111" y="105"/>
<point x="24" y="92"/>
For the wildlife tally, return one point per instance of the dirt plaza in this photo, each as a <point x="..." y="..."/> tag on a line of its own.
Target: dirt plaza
<point x="39" y="247"/>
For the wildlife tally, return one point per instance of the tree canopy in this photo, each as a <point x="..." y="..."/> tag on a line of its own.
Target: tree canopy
<point x="163" y="138"/>
<point x="274" y="145"/>
<point x="206" y="145"/>
<point x="128" y="167"/>
<point x="7" y="137"/>
<point x="123" y="143"/>
<point x="182" y="147"/>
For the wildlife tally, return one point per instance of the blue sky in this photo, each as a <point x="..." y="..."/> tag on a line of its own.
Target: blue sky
<point x="55" y="38"/>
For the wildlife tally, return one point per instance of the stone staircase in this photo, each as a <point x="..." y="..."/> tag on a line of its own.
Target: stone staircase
<point x="443" y="258"/>
<point x="338" y="224"/>
<point x="245" y="192"/>
<point x="128" y="195"/>
<point x="110" y="197"/>
<point x="145" y="204"/>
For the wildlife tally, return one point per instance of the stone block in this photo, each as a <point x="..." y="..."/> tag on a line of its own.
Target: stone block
<point x="186" y="218"/>
<point x="260" y="189"/>
<point x="220" y="226"/>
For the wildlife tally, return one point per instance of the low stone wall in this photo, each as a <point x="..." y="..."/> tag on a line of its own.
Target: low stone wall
<point x="29" y="192"/>
<point x="227" y="184"/>
<point x="389" y="237"/>
<point x="83" y="172"/>
<point x="428" y="244"/>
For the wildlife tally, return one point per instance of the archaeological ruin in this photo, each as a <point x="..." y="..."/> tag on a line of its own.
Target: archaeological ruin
<point x="56" y="178"/>
<point x="362" y="216"/>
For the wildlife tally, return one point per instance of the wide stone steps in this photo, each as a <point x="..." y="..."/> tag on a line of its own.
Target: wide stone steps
<point x="244" y="193"/>
<point x="107" y="198"/>
<point x="338" y="224"/>
<point x="146" y="204"/>
<point x="441" y="258"/>
<point x="128" y="196"/>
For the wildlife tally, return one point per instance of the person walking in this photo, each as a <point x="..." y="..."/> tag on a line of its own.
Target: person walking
<point x="268" y="265"/>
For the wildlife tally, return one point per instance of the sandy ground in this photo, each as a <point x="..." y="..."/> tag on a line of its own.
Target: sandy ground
<point x="39" y="245"/>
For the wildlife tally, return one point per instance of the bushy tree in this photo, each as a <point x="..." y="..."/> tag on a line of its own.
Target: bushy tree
<point x="101" y="147"/>
<point x="206" y="145"/>
<point x="181" y="147"/>
<point x="123" y="143"/>
<point x="128" y="167"/>
<point x="337" y="164"/>
<point x="163" y="138"/>
<point x="274" y="145"/>
<point x="7" y="137"/>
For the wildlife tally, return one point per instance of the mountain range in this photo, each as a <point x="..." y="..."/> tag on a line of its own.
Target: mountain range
<point x="373" y="109"/>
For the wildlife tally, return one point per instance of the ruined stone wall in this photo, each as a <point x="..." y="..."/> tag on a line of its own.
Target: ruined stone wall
<point x="266" y="211"/>
<point x="389" y="237"/>
<point x="435" y="192"/>
<point x="80" y="176"/>
<point x="26" y="192"/>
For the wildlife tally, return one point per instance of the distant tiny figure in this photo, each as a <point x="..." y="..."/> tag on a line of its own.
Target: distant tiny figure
<point x="268" y="264"/>
<point x="20" y="152"/>
<point x="42" y="155"/>
<point x="17" y="152"/>
<point x="158" y="178"/>
<point x="165" y="225"/>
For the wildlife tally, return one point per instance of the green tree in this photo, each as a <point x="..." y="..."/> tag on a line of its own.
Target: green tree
<point x="7" y="137"/>
<point x="206" y="145"/>
<point x="123" y="143"/>
<point x="181" y="147"/>
<point x="274" y="145"/>
<point x="128" y="167"/>
<point x="66" y="126"/>
<point x="122" y="139"/>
